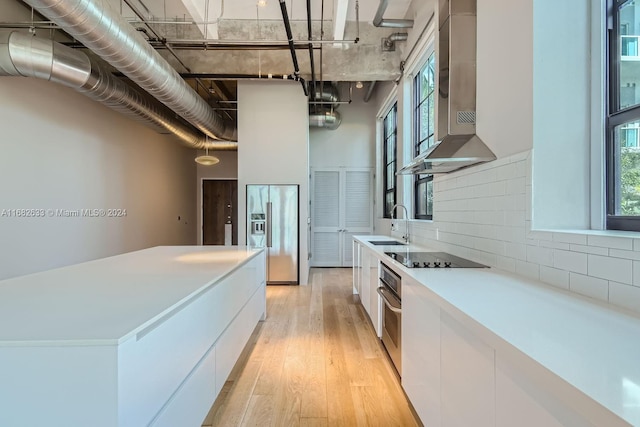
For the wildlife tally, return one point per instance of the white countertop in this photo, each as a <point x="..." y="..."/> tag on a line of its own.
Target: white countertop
<point x="104" y="302"/>
<point x="591" y="345"/>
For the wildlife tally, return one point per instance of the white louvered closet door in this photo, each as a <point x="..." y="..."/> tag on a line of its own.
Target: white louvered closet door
<point x="358" y="209"/>
<point x="342" y="206"/>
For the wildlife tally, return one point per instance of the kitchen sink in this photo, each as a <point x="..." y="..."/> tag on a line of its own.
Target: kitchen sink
<point x="386" y="243"/>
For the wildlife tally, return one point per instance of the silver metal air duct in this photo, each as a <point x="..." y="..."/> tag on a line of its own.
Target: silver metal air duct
<point x="105" y="32"/>
<point x="378" y="21"/>
<point x="325" y="119"/>
<point x="22" y="54"/>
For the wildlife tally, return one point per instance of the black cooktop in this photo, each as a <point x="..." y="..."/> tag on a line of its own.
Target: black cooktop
<point x="432" y="260"/>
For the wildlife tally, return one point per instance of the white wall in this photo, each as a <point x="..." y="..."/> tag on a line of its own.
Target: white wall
<point x="353" y="143"/>
<point x="226" y="169"/>
<point x="273" y="147"/>
<point x="561" y="99"/>
<point x="61" y="150"/>
<point x="504" y="101"/>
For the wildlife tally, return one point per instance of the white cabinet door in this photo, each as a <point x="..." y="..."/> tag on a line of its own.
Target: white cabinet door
<point x="467" y="377"/>
<point x="326" y="220"/>
<point x="515" y="407"/>
<point x="375" y="303"/>
<point x="421" y="351"/>
<point x="342" y="207"/>
<point x="365" y="298"/>
<point x="356" y="262"/>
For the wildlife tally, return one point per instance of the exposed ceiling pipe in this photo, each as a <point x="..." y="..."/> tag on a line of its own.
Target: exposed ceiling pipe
<point x="378" y="21"/>
<point x="22" y="54"/>
<point x="106" y="33"/>
<point x="372" y="86"/>
<point x="311" y="59"/>
<point x="287" y="27"/>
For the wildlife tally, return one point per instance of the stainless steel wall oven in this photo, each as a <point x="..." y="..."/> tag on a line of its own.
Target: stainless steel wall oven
<point x="390" y="291"/>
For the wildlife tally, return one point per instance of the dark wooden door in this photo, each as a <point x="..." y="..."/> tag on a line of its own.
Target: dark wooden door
<point x="219" y="207"/>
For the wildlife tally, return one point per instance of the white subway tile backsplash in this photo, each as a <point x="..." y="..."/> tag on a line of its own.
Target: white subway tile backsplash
<point x="556" y="277"/>
<point x="616" y="269"/>
<point x="511" y="234"/>
<point x="610" y="242"/>
<point x="516" y="250"/>
<point x="589" y="286"/>
<point x="589" y="249"/>
<point x="540" y="235"/>
<point x="539" y="255"/>
<point x="624" y="295"/>
<point x="528" y="269"/>
<point x="489" y="218"/>
<point x="578" y="239"/>
<point x="516" y="186"/>
<point x="636" y="273"/>
<point x="554" y="245"/>
<point x="570" y="261"/>
<point x="521" y="168"/>
<point x="506" y="172"/>
<point x="523" y="155"/>
<point x="490" y="245"/>
<point x="514" y="218"/>
<point x="619" y="253"/>
<point x="485" y="214"/>
<point x="483" y="257"/>
<point x="506" y="264"/>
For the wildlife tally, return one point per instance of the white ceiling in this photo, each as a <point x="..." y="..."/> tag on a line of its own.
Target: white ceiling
<point x="248" y="9"/>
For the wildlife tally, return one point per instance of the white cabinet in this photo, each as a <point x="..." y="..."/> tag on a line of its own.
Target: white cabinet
<point x="365" y="288"/>
<point x="356" y="266"/>
<point x="341" y="206"/>
<point x="516" y="407"/>
<point x="421" y="351"/>
<point x="368" y="286"/>
<point x="375" y="303"/>
<point x="467" y="377"/>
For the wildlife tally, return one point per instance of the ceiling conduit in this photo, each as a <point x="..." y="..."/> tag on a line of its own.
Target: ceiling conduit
<point x="24" y="55"/>
<point x="106" y="33"/>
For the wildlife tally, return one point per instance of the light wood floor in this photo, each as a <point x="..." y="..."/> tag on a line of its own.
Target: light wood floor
<point x="315" y="361"/>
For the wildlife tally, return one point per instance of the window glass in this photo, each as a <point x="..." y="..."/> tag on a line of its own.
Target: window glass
<point x="390" y="159"/>
<point x="623" y="121"/>
<point x="628" y="26"/>
<point x="423" y="135"/>
<point x="628" y="169"/>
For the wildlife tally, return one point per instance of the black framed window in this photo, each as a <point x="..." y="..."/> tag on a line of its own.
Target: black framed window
<point x="623" y="115"/>
<point x="390" y="124"/>
<point x="424" y="128"/>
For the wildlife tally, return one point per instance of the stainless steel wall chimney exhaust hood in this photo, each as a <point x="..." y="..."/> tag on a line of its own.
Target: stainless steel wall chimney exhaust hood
<point x="458" y="145"/>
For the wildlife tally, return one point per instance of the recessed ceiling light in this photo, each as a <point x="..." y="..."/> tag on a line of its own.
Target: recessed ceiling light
<point x="262" y="3"/>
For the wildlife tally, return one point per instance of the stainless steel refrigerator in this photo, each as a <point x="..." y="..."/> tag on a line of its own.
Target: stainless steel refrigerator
<point x="272" y="222"/>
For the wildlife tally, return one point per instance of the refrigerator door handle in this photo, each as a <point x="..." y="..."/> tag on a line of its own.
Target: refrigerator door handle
<point x="269" y="223"/>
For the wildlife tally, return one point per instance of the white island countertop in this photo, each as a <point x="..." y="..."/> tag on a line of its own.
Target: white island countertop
<point x="106" y="301"/>
<point x="592" y="346"/>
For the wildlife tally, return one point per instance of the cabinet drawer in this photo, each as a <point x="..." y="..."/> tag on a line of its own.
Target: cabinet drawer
<point x="192" y="401"/>
<point x="152" y="365"/>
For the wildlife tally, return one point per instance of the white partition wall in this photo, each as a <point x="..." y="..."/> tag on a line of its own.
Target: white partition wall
<point x="273" y="147"/>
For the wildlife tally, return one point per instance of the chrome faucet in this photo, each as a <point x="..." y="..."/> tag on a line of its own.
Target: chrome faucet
<point x="406" y="220"/>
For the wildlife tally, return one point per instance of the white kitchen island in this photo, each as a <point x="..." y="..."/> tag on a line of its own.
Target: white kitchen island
<point x="146" y="338"/>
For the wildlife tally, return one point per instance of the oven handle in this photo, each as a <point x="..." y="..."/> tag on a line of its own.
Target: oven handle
<point x="396" y="308"/>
